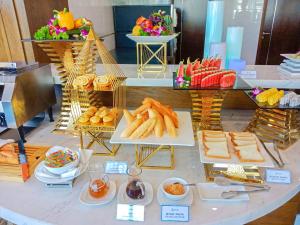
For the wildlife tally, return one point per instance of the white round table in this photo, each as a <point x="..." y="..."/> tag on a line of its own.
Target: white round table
<point x="32" y="203"/>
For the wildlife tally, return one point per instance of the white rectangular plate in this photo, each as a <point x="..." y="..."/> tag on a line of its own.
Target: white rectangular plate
<point x="185" y="135"/>
<point x="234" y="159"/>
<point x="152" y="39"/>
<point x="212" y="192"/>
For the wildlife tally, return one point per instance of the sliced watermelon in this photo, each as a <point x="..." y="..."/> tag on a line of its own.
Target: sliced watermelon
<point x="211" y="80"/>
<point x="196" y="65"/>
<point x="227" y="80"/>
<point x="204" y="69"/>
<point x="189" y="70"/>
<point x="180" y="72"/>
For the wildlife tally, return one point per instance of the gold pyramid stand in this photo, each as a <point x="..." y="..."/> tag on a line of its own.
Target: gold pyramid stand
<point x="278" y="125"/>
<point x="81" y="100"/>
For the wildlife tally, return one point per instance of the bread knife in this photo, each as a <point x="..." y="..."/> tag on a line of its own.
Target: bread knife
<point x="23" y="160"/>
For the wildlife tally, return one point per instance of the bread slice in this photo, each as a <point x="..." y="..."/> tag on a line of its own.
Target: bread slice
<point x="250" y="156"/>
<point x="214" y="139"/>
<point x="215" y="149"/>
<point x="219" y="153"/>
<point x="241" y="134"/>
<point x="250" y="138"/>
<point x="243" y="142"/>
<point x="252" y="147"/>
<point x="215" y="145"/>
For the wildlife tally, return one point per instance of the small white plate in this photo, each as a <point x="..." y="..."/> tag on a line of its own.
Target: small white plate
<point x="124" y="199"/>
<point x="85" y="156"/>
<point x="212" y="192"/>
<point x="163" y="200"/>
<point x="86" y="199"/>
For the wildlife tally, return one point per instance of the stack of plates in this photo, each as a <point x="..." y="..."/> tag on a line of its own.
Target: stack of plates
<point x="290" y="65"/>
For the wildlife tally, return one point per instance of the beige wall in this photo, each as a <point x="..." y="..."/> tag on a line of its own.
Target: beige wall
<point x="100" y="13"/>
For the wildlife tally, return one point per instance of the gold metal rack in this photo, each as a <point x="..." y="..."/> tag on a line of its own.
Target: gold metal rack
<point x="145" y="55"/>
<point x="282" y="126"/>
<point x="144" y="153"/>
<point x="206" y="109"/>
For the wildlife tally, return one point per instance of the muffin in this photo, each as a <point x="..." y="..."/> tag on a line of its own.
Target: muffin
<point x="108" y="120"/>
<point x="84" y="120"/>
<point x="95" y="120"/>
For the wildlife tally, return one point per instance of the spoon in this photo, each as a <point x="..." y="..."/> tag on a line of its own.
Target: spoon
<point x="222" y="181"/>
<point x="232" y="194"/>
<point x="185" y="184"/>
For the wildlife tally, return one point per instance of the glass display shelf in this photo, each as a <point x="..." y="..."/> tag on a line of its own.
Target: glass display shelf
<point x="239" y="84"/>
<point x="265" y="105"/>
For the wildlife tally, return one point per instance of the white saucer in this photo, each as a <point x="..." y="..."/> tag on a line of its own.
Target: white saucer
<point x="212" y="192"/>
<point x="86" y="199"/>
<point x="49" y="178"/>
<point x="163" y="200"/>
<point x="124" y="199"/>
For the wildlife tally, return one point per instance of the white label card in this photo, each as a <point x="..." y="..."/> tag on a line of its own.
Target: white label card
<point x="130" y="212"/>
<point x="278" y="176"/>
<point x="116" y="167"/>
<point x="175" y="213"/>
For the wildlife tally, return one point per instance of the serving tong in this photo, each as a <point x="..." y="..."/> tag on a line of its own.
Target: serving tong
<point x="222" y="181"/>
<point x="280" y="163"/>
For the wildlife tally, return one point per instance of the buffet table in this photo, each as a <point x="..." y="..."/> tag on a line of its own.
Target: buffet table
<point x="32" y="203"/>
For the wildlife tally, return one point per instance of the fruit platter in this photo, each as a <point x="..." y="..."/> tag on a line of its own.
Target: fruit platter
<point x="63" y="26"/>
<point x="158" y="27"/>
<point x="273" y="98"/>
<point x="206" y="74"/>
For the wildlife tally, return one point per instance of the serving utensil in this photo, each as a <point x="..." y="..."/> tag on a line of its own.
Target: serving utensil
<point x="222" y="181"/>
<point x="279" y="155"/>
<point x="271" y="155"/>
<point x="192" y="184"/>
<point x="233" y="194"/>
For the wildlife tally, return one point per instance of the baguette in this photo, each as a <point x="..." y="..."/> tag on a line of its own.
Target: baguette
<point x="131" y="128"/>
<point x="170" y="126"/>
<point x="151" y="127"/>
<point x="142" y="129"/>
<point x="129" y="118"/>
<point x="152" y="113"/>
<point x="142" y="108"/>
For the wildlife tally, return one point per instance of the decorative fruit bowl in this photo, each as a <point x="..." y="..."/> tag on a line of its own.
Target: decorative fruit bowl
<point x="152" y="39"/>
<point x="62" y="26"/>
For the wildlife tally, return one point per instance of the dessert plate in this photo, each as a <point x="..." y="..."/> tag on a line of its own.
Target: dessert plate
<point x="124" y="199"/>
<point x="43" y="175"/>
<point x="86" y="199"/>
<point x="212" y="192"/>
<point x="163" y="200"/>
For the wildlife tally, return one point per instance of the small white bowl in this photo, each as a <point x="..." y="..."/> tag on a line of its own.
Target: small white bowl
<point x="172" y="181"/>
<point x="66" y="167"/>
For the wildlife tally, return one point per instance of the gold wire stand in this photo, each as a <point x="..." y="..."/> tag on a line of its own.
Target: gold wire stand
<point x="278" y="125"/>
<point x="143" y="153"/>
<point x="250" y="174"/>
<point x="145" y="55"/>
<point x="206" y="109"/>
<point x="100" y="138"/>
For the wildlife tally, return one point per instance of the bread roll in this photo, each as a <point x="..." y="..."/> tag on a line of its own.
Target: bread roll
<point x="150" y="128"/>
<point x="142" y="129"/>
<point x="84" y="120"/>
<point x="131" y="128"/>
<point x="158" y="129"/>
<point x="95" y="120"/>
<point x="108" y="118"/>
<point x="129" y="118"/>
<point x="170" y="126"/>
<point x="104" y="112"/>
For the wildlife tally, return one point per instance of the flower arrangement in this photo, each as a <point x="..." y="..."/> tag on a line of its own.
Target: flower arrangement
<point x="157" y="24"/>
<point x="63" y="26"/>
